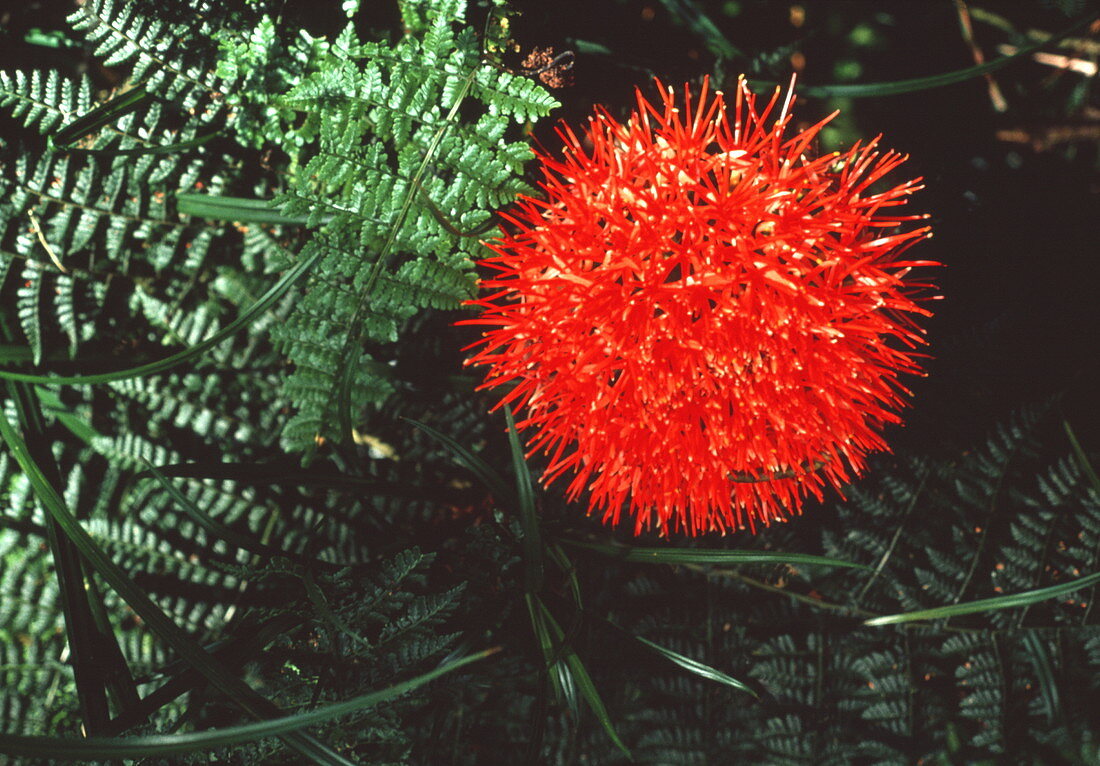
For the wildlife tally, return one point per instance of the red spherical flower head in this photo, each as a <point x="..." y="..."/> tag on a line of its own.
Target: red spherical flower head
<point x="703" y="322"/>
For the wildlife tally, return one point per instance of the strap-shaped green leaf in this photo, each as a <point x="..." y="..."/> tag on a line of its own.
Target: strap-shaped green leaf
<point x="1035" y="647"/>
<point x="482" y="470"/>
<point x="213" y="526"/>
<point x="897" y="87"/>
<point x="1082" y="459"/>
<point x="157" y="621"/>
<point x="561" y="679"/>
<point x="83" y="749"/>
<point x="176" y="148"/>
<point x="582" y="679"/>
<point x="700" y="669"/>
<point x="709" y="556"/>
<point x="1011" y="601"/>
<point x="105" y="114"/>
<point x="243" y="209"/>
<point x="689" y="12"/>
<point x="532" y="543"/>
<point x="168" y="362"/>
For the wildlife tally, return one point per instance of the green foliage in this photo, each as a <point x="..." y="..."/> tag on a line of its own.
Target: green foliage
<point x="101" y="268"/>
<point x="378" y="622"/>
<point x="973" y="689"/>
<point x="395" y="177"/>
<point x="237" y="149"/>
<point x="169" y="59"/>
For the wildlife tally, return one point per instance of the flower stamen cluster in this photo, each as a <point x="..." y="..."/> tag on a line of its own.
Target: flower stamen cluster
<point x="702" y="322"/>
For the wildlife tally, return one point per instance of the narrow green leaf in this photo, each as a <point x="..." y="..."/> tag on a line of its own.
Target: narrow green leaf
<point x="78" y="426"/>
<point x="478" y="467"/>
<point x="119" y="679"/>
<point x="83" y="749"/>
<point x="176" y="148"/>
<point x="588" y="47"/>
<point x="338" y="392"/>
<point x="82" y="634"/>
<point x="528" y="520"/>
<point x="583" y="680"/>
<point x="211" y="525"/>
<point x="157" y="621"/>
<point x="698" y="668"/>
<point x="280" y="474"/>
<point x="1044" y="674"/>
<point x="896" y="87"/>
<point x="168" y="362"/>
<point x="560" y="678"/>
<point x="693" y="17"/>
<point x="709" y="556"/>
<point x="105" y="114"/>
<point x="238" y="539"/>
<point x="1011" y="601"/>
<point x="557" y="555"/>
<point x="242" y="209"/>
<point x="343" y="414"/>
<point x="234" y="652"/>
<point x="1083" y="461"/>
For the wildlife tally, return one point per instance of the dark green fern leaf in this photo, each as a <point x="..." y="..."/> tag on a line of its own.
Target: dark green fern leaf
<point x="392" y="158"/>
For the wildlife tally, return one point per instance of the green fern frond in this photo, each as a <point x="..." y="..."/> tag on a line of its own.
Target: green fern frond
<point x="157" y="51"/>
<point x="32" y="643"/>
<point x="392" y="157"/>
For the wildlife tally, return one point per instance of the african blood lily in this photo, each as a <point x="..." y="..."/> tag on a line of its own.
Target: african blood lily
<point x="703" y="322"/>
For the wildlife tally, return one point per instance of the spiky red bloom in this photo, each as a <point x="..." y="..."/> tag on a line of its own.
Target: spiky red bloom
<point x="702" y="321"/>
